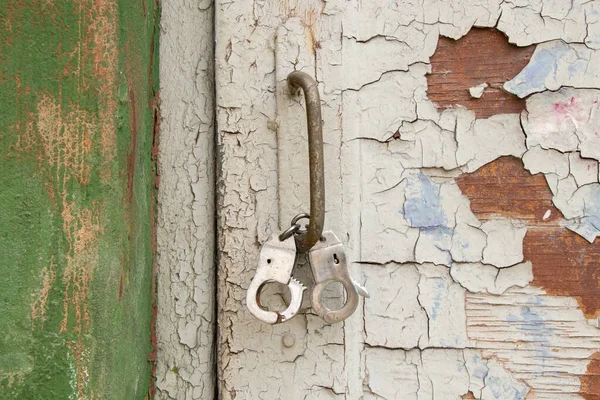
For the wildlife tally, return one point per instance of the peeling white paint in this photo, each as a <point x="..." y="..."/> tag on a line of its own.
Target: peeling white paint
<point x="567" y="120"/>
<point x="443" y="300"/>
<point x="562" y="139"/>
<point x="504" y="242"/>
<point x="394" y="318"/>
<point x="534" y="21"/>
<point x="481" y="141"/>
<point x="185" y="324"/>
<point x="484" y="278"/>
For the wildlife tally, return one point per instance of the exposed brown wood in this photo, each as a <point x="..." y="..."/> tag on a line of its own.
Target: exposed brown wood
<point x="504" y="187"/>
<point x="564" y="264"/>
<point x="590" y="383"/>
<point x="483" y="55"/>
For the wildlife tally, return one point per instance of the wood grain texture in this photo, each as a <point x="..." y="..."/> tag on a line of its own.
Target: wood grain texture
<point x="482" y="55"/>
<point x="590" y="383"/>
<point x="564" y="264"/>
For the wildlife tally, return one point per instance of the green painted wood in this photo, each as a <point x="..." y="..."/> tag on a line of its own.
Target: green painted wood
<point x="77" y="85"/>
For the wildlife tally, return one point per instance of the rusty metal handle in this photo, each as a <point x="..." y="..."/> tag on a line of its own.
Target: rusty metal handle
<point x="306" y="240"/>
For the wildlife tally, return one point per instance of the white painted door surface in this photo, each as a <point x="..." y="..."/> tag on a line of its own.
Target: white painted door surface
<point x="455" y="311"/>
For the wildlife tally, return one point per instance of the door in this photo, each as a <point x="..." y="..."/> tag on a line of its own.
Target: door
<point x="461" y="174"/>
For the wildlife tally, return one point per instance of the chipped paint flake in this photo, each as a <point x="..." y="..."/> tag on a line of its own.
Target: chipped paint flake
<point x="504" y="242"/>
<point x="567" y="120"/>
<point x="562" y="140"/>
<point x="557" y="64"/>
<point x="483" y="278"/>
<point x="527" y="22"/>
<point x="477" y="91"/>
<point x="481" y="141"/>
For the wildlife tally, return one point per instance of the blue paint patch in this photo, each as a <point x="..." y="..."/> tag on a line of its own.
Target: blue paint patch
<point x="531" y="323"/>
<point x="441" y="238"/>
<point x="440" y="286"/>
<point x="577" y="68"/>
<point x="543" y="64"/>
<point x="422" y="207"/>
<point x="481" y="370"/>
<point x="503" y="389"/>
<point x="535" y="332"/>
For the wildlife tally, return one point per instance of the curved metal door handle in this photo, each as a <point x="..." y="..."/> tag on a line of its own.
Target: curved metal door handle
<point x="306" y="240"/>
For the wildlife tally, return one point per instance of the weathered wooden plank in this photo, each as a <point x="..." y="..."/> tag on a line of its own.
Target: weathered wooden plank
<point x="76" y="122"/>
<point x="185" y="324"/>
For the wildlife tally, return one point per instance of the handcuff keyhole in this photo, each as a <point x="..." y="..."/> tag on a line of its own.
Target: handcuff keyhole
<point x="335" y="259"/>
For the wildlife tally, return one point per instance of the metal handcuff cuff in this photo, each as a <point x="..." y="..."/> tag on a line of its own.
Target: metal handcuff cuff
<point x="325" y="251"/>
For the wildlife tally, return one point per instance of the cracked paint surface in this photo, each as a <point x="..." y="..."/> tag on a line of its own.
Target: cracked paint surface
<point x="185" y="323"/>
<point x="463" y="304"/>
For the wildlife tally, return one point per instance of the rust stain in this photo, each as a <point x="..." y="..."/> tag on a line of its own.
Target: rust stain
<point x="59" y="139"/>
<point x="155" y="140"/>
<point x="151" y="98"/>
<point x="38" y="307"/>
<point x="309" y="12"/>
<point x="504" y="187"/>
<point x="482" y="55"/>
<point x="82" y="228"/>
<point x="8" y="22"/>
<point x="64" y="138"/>
<point x="153" y="342"/>
<point x="134" y="80"/>
<point x="133" y="146"/>
<point x="567" y="265"/>
<point x="102" y="30"/>
<point x="81" y="362"/>
<point x="468" y="396"/>
<point x="66" y="141"/>
<point x="121" y="283"/>
<point x="590" y="382"/>
<point x="564" y="264"/>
